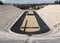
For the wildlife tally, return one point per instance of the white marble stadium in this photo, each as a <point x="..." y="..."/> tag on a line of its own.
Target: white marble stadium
<point x="9" y="14"/>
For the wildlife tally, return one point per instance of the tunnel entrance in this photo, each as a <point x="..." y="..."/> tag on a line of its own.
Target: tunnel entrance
<point x="30" y="24"/>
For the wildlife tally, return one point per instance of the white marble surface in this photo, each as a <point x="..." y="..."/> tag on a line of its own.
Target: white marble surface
<point x="50" y="14"/>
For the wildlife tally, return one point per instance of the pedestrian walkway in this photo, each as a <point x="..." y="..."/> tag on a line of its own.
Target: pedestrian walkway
<point x="30" y="23"/>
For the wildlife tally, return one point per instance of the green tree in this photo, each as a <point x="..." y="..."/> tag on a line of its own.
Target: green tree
<point x="57" y="2"/>
<point x="1" y="3"/>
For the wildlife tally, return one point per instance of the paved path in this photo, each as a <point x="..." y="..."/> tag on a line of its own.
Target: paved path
<point x="42" y="27"/>
<point x="31" y="23"/>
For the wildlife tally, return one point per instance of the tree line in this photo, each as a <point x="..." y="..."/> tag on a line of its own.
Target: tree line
<point x="1" y="3"/>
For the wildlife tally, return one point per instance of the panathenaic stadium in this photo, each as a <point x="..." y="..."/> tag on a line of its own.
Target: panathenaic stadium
<point x="27" y="26"/>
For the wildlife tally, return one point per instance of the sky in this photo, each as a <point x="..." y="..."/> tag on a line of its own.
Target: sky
<point x="27" y="1"/>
